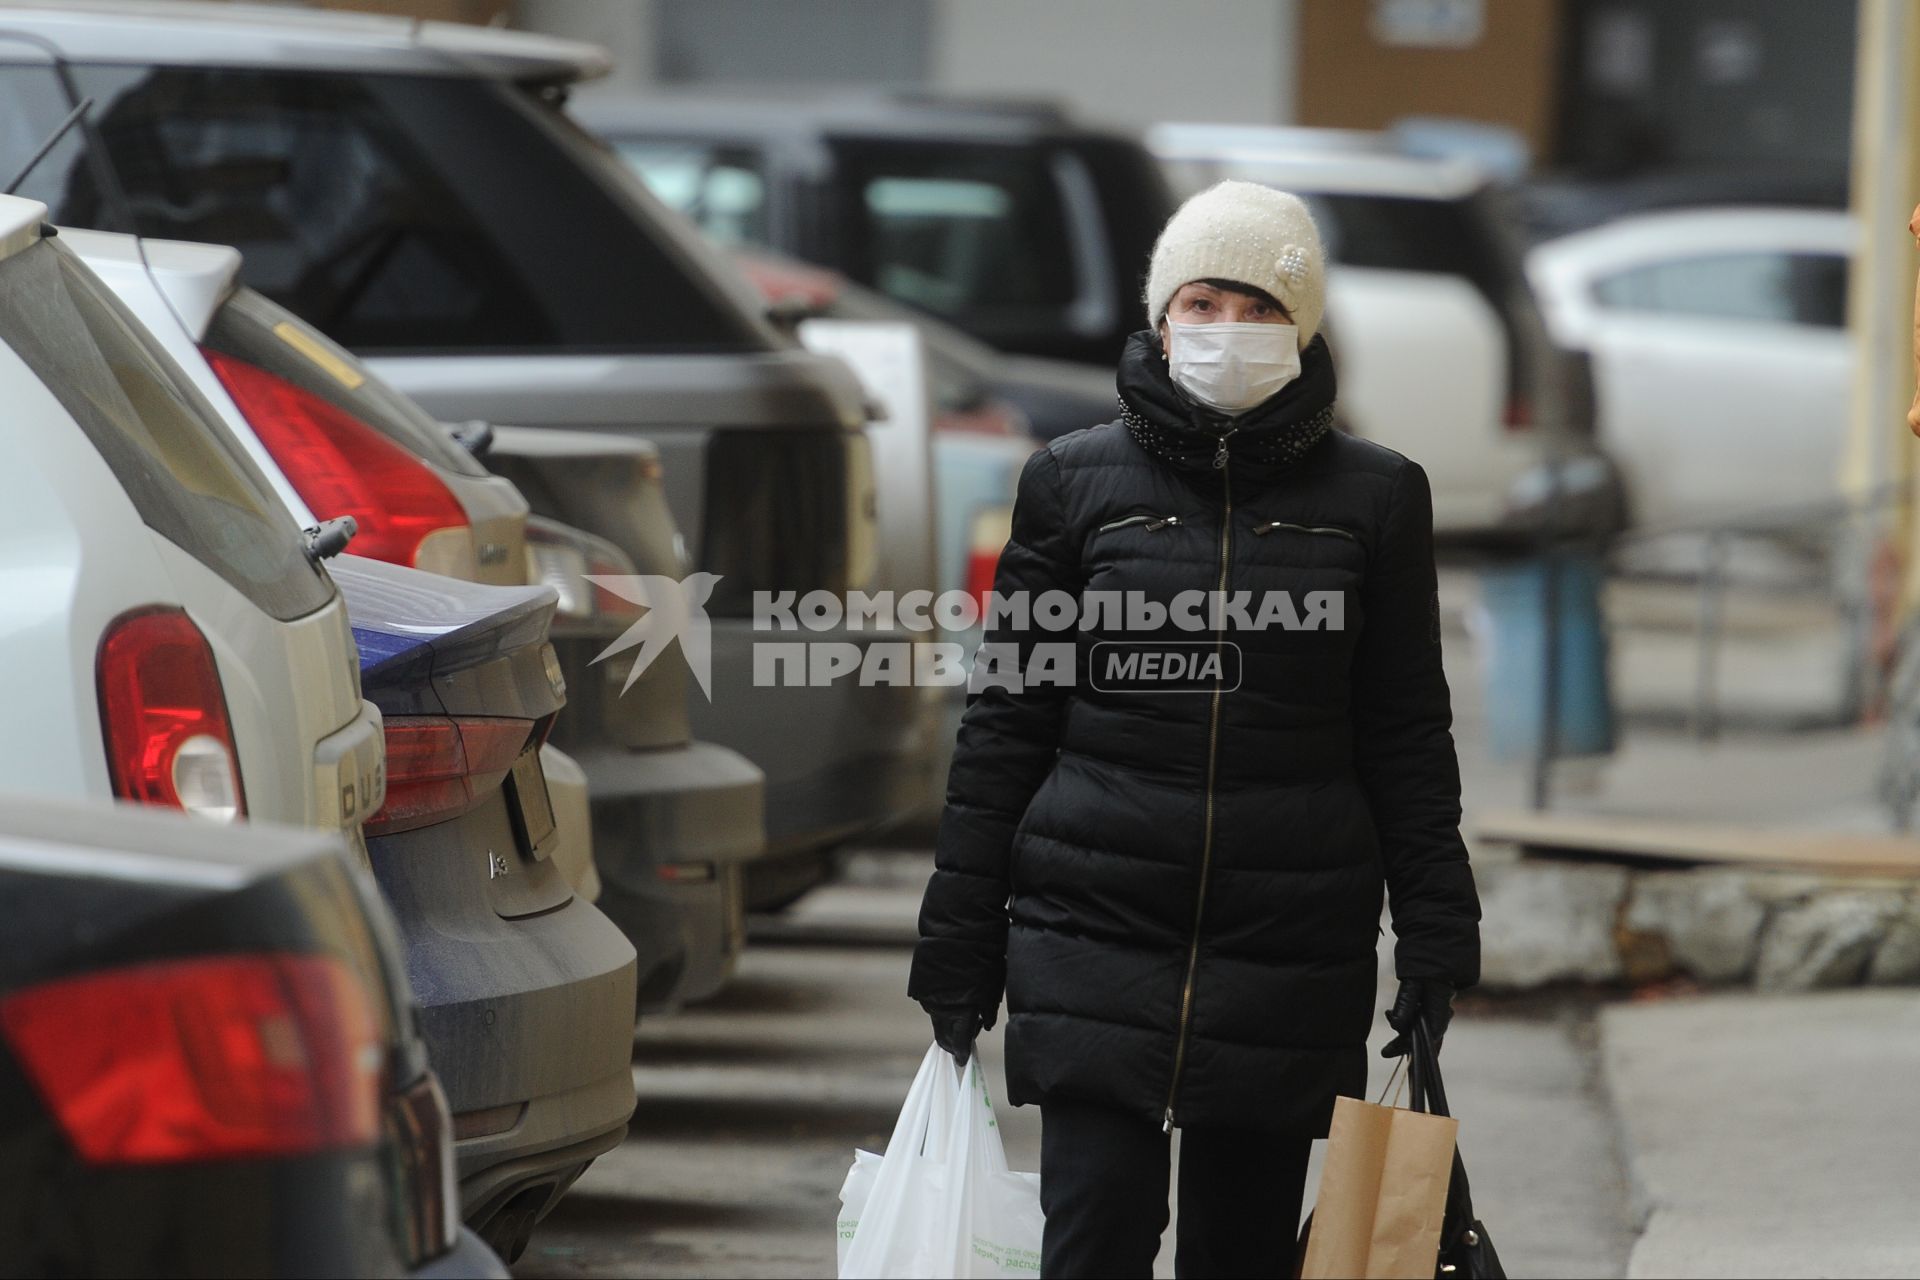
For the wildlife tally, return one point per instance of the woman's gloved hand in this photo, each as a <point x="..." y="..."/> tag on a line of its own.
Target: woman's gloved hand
<point x="955" y="1027"/>
<point x="1425" y="999"/>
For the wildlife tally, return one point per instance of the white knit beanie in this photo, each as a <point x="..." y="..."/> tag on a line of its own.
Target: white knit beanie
<point x="1247" y="233"/>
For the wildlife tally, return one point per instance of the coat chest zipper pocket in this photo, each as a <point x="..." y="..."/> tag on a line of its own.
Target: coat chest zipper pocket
<point x="1153" y="523"/>
<point x="1331" y="529"/>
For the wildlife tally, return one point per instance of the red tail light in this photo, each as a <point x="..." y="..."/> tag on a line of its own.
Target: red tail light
<point x="164" y="717"/>
<point x="341" y="466"/>
<point x="982" y="564"/>
<point x="438" y="767"/>
<point x="214" y="1058"/>
<point x="1517" y="415"/>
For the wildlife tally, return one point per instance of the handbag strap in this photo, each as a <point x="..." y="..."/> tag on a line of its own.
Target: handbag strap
<point x="1430" y="1095"/>
<point x="1423" y="1071"/>
<point x="1395" y="1082"/>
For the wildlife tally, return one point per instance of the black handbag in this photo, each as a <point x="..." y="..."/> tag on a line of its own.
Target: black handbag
<point x="1466" y="1251"/>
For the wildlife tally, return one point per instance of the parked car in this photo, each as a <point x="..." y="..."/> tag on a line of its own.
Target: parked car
<point x="527" y="991"/>
<point x="1555" y="205"/>
<point x="173" y="637"/>
<point x="344" y="442"/>
<point x="501" y="266"/>
<point x="1009" y="220"/>
<point x="470" y="687"/>
<point x="679" y="819"/>
<point x="1721" y="359"/>
<point x="1442" y="351"/>
<point x="208" y="1063"/>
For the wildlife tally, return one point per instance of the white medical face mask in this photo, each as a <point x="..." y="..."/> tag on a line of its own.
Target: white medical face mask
<point x="1232" y="368"/>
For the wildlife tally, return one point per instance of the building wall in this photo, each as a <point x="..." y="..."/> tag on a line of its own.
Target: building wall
<point x="625" y="27"/>
<point x="1367" y="63"/>
<point x="1755" y="83"/>
<point x="1124" y="62"/>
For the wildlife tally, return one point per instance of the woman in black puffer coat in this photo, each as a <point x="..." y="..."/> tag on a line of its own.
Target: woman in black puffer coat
<point x="1179" y="885"/>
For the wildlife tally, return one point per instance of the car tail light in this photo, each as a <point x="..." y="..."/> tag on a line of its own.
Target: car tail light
<point x="687" y="872"/>
<point x="164" y="717"/>
<point x="562" y="557"/>
<point x="212" y="1058"/>
<point x="439" y="767"/>
<point x="1517" y="415"/>
<point x="340" y="466"/>
<point x="988" y="539"/>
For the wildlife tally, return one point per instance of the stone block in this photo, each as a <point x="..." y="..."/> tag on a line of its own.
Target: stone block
<point x="1545" y="922"/>
<point x="1706" y="923"/>
<point x="1826" y="941"/>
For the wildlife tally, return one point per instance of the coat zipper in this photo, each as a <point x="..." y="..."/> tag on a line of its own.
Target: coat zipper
<point x="1335" y="530"/>
<point x="1221" y="463"/>
<point x="1154" y="523"/>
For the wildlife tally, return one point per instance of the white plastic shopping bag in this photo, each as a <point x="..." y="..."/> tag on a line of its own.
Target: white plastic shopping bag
<point x="941" y="1204"/>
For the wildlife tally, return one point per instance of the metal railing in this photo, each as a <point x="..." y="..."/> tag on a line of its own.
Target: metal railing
<point x="1831" y="533"/>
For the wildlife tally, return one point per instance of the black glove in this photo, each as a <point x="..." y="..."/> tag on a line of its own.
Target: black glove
<point x="956" y="1026"/>
<point x="1425" y="999"/>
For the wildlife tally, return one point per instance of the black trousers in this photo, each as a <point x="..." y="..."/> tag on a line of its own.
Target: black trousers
<point x="1103" y="1184"/>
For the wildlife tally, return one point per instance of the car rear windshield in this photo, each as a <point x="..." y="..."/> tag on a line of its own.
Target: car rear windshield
<point x="976" y="233"/>
<point x="266" y="335"/>
<point x="185" y="474"/>
<point x="397" y="213"/>
<point x="1408" y="233"/>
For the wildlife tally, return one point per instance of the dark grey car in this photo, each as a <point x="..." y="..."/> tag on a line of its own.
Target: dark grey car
<point x="146" y="960"/>
<point x="526" y="990"/>
<point x="1011" y="220"/>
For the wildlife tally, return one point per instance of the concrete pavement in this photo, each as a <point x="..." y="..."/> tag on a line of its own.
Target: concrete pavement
<point x="1770" y="1136"/>
<point x="751" y="1106"/>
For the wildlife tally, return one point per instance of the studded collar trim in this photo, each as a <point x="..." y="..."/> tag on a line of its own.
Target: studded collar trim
<point x="1265" y="441"/>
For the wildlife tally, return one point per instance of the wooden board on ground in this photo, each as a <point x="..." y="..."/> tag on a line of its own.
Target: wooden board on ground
<point x="1668" y="842"/>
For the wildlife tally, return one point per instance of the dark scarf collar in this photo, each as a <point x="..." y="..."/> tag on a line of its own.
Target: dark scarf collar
<point x="1263" y="442"/>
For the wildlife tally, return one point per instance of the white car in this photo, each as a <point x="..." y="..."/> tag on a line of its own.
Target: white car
<point x="169" y="634"/>
<point x="465" y="525"/>
<point x="1721" y="359"/>
<point x="1440" y="349"/>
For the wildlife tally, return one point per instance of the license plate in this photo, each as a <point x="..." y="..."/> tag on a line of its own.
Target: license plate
<point x="533" y="807"/>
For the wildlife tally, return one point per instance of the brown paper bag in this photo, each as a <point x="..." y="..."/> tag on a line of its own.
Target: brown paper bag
<point x="1383" y="1193"/>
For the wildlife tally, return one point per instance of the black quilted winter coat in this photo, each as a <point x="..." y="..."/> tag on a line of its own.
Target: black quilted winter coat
<point x="1180" y="892"/>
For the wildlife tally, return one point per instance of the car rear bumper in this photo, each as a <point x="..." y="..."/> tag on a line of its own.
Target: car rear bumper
<point x="713" y="920"/>
<point x="840" y="759"/>
<point x="325" y="1214"/>
<point x="529" y="1021"/>
<point x="550" y="1143"/>
<point x="698" y="802"/>
<point x="671" y="828"/>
